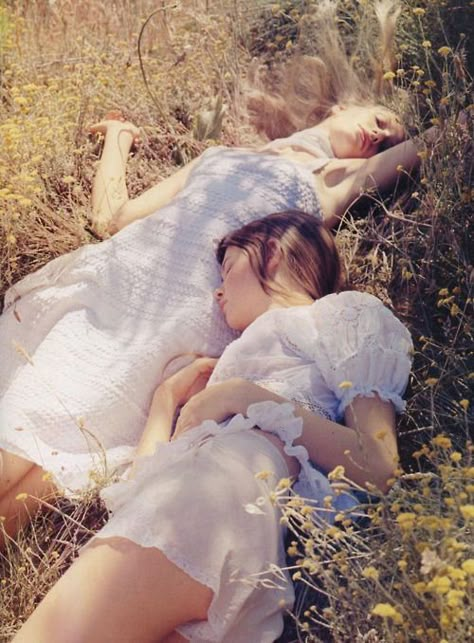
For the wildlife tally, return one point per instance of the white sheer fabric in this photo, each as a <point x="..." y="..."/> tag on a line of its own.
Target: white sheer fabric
<point x="100" y="324"/>
<point x="313" y="141"/>
<point x="197" y="498"/>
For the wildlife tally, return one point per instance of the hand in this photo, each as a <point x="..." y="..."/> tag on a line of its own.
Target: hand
<point x="188" y="381"/>
<point x="216" y="402"/>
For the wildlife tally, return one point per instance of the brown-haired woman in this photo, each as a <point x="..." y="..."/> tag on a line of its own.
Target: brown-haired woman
<point x="189" y="551"/>
<point x="84" y="339"/>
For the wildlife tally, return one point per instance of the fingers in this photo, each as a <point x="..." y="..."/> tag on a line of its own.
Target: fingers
<point x="179" y="363"/>
<point x="187" y="419"/>
<point x="206" y="365"/>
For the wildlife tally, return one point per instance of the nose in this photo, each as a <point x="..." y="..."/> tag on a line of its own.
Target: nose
<point x="378" y="134"/>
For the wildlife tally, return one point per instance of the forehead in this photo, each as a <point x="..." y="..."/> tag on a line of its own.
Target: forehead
<point x="232" y="251"/>
<point x="231" y="254"/>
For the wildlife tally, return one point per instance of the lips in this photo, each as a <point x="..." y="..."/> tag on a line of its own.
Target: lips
<point x="364" y="138"/>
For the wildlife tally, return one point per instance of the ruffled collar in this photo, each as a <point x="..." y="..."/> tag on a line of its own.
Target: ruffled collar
<point x="313" y="140"/>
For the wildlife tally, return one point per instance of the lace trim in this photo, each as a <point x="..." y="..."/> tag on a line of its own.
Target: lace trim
<point x="349" y="396"/>
<point x="280" y="420"/>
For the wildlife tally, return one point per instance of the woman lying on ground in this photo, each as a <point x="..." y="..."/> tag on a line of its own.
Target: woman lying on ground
<point x="84" y="339"/>
<point x="193" y="532"/>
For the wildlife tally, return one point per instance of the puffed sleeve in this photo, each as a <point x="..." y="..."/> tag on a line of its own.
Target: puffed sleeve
<point x="360" y="348"/>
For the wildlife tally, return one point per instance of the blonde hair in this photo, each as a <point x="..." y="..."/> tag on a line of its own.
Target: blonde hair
<point x="301" y="93"/>
<point x="308" y="249"/>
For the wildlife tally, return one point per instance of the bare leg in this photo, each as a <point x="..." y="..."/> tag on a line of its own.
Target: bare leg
<point x="12" y="469"/>
<point x="17" y="513"/>
<point x="126" y="593"/>
<point x="109" y="190"/>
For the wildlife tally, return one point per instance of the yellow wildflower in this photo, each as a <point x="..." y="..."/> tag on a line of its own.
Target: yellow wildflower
<point x="439" y="584"/>
<point x="423" y="154"/>
<point x="444" y="51"/>
<point x="370" y="572"/>
<point x="468" y="566"/>
<point x="263" y="475"/>
<point x="389" y="75"/>
<point x="284" y="483"/>
<point x="442" y="441"/>
<point x="467" y="511"/>
<point x="292" y="550"/>
<point x="456" y="574"/>
<point x="21" y="496"/>
<point x="337" y="473"/>
<point x="464" y="403"/>
<point x="418" y="11"/>
<point x="345" y="384"/>
<point x="402" y="565"/>
<point x="406" y="520"/>
<point x="455" y="597"/>
<point x="385" y="610"/>
<point x="456" y="456"/>
<point x="426" y="44"/>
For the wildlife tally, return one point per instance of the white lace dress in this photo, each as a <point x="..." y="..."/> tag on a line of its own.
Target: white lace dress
<point x="84" y="340"/>
<point x="197" y="499"/>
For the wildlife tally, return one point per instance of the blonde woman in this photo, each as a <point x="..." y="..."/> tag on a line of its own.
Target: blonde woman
<point x="188" y="551"/>
<point x="85" y="339"/>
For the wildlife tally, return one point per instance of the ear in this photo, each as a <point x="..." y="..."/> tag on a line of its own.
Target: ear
<point x="275" y="255"/>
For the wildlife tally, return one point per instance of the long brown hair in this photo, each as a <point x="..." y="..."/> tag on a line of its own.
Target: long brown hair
<point x="301" y="93"/>
<point x="307" y="245"/>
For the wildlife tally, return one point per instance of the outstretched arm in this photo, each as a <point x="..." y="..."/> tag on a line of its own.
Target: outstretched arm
<point x="342" y="181"/>
<point x="366" y="445"/>
<point x="112" y="209"/>
<point x="151" y="200"/>
<point x="172" y="393"/>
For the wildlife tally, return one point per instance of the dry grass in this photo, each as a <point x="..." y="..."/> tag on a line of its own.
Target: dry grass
<point x="62" y="65"/>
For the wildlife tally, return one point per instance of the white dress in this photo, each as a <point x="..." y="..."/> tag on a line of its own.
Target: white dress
<point x="197" y="499"/>
<point x="84" y="340"/>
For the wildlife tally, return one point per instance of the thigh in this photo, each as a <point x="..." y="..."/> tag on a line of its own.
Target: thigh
<point x="127" y="593"/>
<point x="12" y="470"/>
<point x="34" y="487"/>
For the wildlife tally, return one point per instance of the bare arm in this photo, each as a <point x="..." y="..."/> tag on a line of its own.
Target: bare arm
<point x="158" y="426"/>
<point x="366" y="445"/>
<point x="172" y="393"/>
<point x="342" y="181"/>
<point x="151" y="200"/>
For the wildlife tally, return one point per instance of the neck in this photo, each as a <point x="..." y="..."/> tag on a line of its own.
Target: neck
<point x="295" y="298"/>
